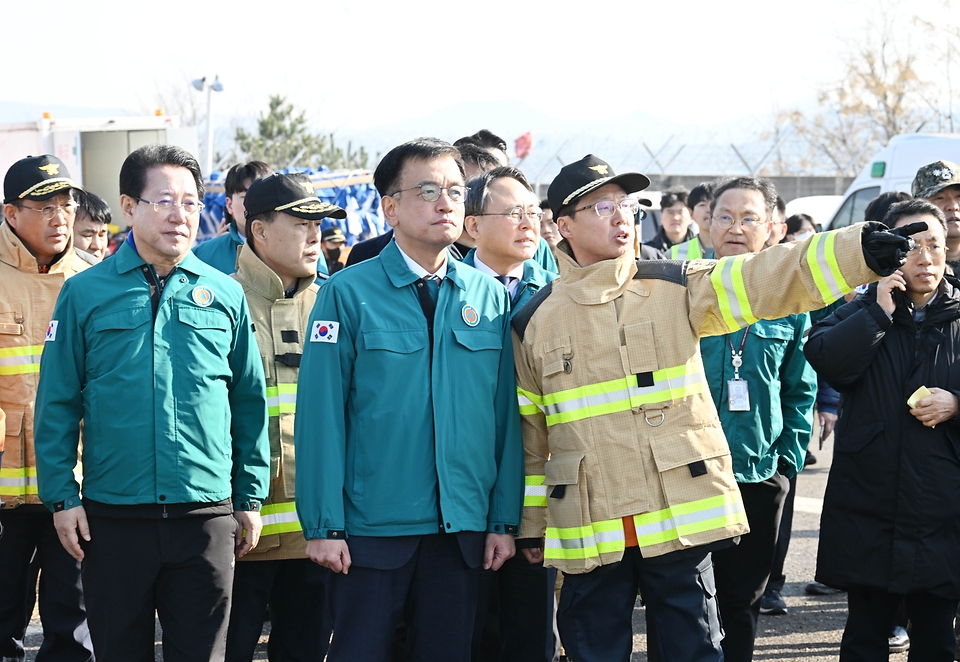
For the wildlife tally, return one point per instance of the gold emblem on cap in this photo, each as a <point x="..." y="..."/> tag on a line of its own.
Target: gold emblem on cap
<point x="308" y="187"/>
<point x="601" y="169"/>
<point x="51" y="169"/>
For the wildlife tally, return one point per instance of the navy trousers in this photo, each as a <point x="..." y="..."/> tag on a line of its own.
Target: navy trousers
<point x="30" y="544"/>
<point x="595" y="614"/>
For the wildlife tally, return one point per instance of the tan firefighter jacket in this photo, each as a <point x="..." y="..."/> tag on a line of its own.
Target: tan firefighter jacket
<point x="279" y="326"/>
<point x="617" y="416"/>
<point x="27" y="298"/>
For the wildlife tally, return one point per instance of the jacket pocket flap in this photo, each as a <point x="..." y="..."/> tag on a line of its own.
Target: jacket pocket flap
<point x="774" y="329"/>
<point x="14" y="423"/>
<point x="11" y="329"/>
<point x="688" y="448"/>
<point x="852" y="441"/>
<point x="475" y="339"/>
<point x="402" y="341"/>
<point x="204" y="318"/>
<point x="554" y="350"/>
<point x="129" y="318"/>
<point x="641" y="347"/>
<point x="563" y="469"/>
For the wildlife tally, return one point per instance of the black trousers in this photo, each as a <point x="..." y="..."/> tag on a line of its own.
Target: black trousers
<point x="742" y="570"/>
<point x="595" y="614"/>
<point x="179" y="568"/>
<point x="30" y="544"/>
<point x="440" y="591"/>
<point x="777" y="577"/>
<point x="872" y="611"/>
<point x="300" y="621"/>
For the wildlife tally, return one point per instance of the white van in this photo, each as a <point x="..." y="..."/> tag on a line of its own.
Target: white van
<point x="893" y="169"/>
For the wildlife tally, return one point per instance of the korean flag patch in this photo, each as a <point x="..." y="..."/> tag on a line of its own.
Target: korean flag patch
<point x="52" y="331"/>
<point x="325" y="332"/>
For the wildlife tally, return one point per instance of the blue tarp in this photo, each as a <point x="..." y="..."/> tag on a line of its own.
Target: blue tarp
<point x="361" y="201"/>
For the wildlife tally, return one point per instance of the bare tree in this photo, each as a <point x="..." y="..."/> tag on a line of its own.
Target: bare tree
<point x="943" y="44"/>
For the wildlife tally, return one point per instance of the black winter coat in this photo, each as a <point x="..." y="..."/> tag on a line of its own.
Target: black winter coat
<point x="891" y="513"/>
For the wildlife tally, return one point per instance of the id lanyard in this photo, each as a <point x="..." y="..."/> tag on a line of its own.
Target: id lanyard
<point x="738" y="394"/>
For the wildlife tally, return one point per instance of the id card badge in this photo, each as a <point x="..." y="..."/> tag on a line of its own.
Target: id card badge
<point x="738" y="395"/>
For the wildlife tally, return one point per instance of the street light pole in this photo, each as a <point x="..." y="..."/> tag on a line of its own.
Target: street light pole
<point x="216" y="86"/>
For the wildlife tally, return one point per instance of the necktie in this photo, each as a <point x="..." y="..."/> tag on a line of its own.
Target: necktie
<point x="433" y="288"/>
<point x="507" y="281"/>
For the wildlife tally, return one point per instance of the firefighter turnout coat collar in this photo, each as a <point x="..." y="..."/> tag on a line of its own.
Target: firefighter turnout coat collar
<point x="617" y="418"/>
<point x="27" y="298"/>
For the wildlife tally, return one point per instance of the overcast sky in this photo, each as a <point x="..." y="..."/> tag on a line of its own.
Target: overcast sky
<point x="363" y="64"/>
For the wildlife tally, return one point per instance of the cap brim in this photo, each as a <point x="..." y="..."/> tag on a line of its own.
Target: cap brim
<point x="48" y="188"/>
<point x="931" y="191"/>
<point x="630" y="182"/>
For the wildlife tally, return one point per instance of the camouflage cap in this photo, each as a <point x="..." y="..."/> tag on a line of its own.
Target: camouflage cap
<point x="933" y="178"/>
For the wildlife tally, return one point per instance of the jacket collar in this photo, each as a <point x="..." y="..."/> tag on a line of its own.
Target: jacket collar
<point x="127" y="259"/>
<point x="15" y="253"/>
<point x="599" y="283"/>
<point x="253" y="272"/>
<point x="399" y="273"/>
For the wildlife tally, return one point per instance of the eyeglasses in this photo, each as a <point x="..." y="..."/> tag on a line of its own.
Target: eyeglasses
<point x="747" y="222"/>
<point x="518" y="213"/>
<point x="47" y="212"/>
<point x="934" y="250"/>
<point x="166" y="206"/>
<point x="432" y="192"/>
<point x="607" y="208"/>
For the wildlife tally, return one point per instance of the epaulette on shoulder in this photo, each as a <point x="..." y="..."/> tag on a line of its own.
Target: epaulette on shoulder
<point x="674" y="271"/>
<point x="523" y="316"/>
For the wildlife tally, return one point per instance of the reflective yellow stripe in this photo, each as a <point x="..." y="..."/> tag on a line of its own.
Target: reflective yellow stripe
<point x="534" y="491"/>
<point x="281" y="399"/>
<point x="581" y="542"/>
<point x="18" y="482"/>
<point x="20" y="360"/>
<point x="688" y="250"/>
<point x="622" y="395"/>
<point x="822" y="260"/>
<point x="530" y="403"/>
<point x="279" y="518"/>
<point x="689" y="518"/>
<point x="727" y="279"/>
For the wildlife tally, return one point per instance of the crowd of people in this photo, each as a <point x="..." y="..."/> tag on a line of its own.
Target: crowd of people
<point x="486" y="435"/>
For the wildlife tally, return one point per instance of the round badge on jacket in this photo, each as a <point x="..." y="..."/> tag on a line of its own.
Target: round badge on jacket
<point x="202" y="295"/>
<point x="470" y="315"/>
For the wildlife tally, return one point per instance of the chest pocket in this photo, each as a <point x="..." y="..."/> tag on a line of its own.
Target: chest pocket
<point x="774" y="335"/>
<point x="122" y="320"/>
<point x="639" y="355"/>
<point x="399" y="342"/>
<point x="210" y="331"/>
<point x="204" y="318"/>
<point x="11" y="321"/>
<point x="478" y="339"/>
<point x="557" y="356"/>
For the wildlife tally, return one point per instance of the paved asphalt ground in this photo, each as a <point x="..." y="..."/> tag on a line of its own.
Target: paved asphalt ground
<point x="809" y="632"/>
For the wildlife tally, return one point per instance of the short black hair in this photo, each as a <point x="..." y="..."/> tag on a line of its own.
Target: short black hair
<point x="782" y="207"/>
<point x="880" y="205"/>
<point x="795" y="222"/>
<point x="702" y="192"/>
<point x="480" y="187"/>
<point x="133" y="172"/>
<point x="485" y="138"/>
<point x="478" y="156"/>
<point x="672" y="196"/>
<point x="387" y="175"/>
<point x="917" y="207"/>
<point x="266" y="217"/>
<point x="545" y="205"/>
<point x="236" y="177"/>
<point x="93" y="206"/>
<point x="762" y="186"/>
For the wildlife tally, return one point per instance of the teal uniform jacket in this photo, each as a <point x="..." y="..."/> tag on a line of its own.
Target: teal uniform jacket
<point x="174" y="408"/>
<point x="221" y="253"/>
<point x="390" y="439"/>
<point x="535" y="277"/>
<point x="544" y="257"/>
<point x="782" y="388"/>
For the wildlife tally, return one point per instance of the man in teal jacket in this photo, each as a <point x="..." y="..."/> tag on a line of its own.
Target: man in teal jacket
<point x="764" y="391"/>
<point x="503" y="217"/>
<point x="154" y="350"/>
<point x="221" y="252"/>
<point x="409" y="459"/>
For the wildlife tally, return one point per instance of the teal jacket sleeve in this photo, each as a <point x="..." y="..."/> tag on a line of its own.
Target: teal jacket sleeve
<point x="798" y="382"/>
<point x="320" y="433"/>
<point x="506" y="499"/>
<point x="59" y="406"/>
<point x="248" y="408"/>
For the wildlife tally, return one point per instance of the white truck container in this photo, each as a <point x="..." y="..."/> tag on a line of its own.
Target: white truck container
<point x="93" y="149"/>
<point x="893" y="169"/>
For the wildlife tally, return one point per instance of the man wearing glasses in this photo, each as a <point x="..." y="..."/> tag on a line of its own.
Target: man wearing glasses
<point x="503" y="216"/>
<point x="36" y="257"/>
<point x="409" y="459"/>
<point x="154" y="350"/>
<point x="629" y="481"/>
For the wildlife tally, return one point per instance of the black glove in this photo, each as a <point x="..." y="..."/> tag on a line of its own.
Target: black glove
<point x="885" y="250"/>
